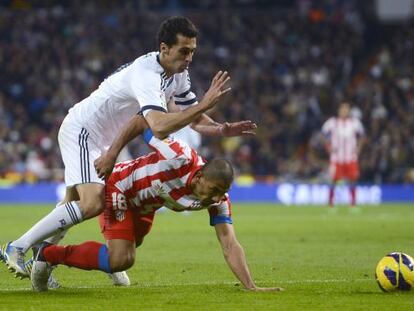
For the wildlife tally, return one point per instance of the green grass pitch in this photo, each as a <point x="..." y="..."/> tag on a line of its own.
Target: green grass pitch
<point x="325" y="259"/>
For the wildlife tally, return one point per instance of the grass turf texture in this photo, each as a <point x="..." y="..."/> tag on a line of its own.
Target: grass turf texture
<point x="325" y="259"/>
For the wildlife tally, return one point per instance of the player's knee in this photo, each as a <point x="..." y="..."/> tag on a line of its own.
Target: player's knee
<point x="92" y="205"/>
<point x="94" y="209"/>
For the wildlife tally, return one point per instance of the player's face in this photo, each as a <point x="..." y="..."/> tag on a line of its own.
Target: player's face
<point x="178" y="57"/>
<point x="209" y="191"/>
<point x="344" y="110"/>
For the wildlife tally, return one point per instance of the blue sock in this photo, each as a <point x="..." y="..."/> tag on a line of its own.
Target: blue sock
<point x="103" y="259"/>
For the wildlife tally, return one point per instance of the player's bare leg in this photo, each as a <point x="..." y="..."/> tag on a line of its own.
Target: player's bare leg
<point x="334" y="180"/>
<point x="353" y="195"/>
<point x="121" y="254"/>
<point x="352" y="192"/>
<point x="92" y="201"/>
<point x="332" y="194"/>
<point x="122" y="257"/>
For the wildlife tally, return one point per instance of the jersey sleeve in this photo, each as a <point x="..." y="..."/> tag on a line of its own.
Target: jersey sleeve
<point x="184" y="97"/>
<point x="221" y="213"/>
<point x="146" y="88"/>
<point x="359" y="128"/>
<point x="327" y="127"/>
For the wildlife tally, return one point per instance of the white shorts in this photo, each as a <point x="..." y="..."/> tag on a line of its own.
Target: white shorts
<point x="79" y="152"/>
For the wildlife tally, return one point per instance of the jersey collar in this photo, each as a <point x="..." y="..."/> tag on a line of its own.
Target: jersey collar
<point x="157" y="59"/>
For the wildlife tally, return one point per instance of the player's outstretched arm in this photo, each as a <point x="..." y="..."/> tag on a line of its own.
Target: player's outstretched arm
<point x="163" y="124"/>
<point x="207" y="126"/>
<point x="236" y="259"/>
<point x="105" y="163"/>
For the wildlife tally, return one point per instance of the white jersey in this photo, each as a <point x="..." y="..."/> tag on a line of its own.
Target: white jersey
<point x="189" y="136"/>
<point x="139" y="86"/>
<point x="343" y="136"/>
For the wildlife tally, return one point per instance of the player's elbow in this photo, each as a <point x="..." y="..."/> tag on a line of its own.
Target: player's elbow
<point x="159" y="129"/>
<point x="160" y="132"/>
<point x="158" y="125"/>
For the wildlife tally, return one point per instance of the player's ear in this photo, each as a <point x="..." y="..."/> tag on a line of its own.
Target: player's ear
<point x="198" y="175"/>
<point x="164" y="49"/>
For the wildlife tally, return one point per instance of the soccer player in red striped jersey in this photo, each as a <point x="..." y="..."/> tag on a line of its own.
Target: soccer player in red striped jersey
<point x="343" y="143"/>
<point x="174" y="176"/>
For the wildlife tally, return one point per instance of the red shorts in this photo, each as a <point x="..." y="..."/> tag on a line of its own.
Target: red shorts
<point x="349" y="171"/>
<point x="121" y="221"/>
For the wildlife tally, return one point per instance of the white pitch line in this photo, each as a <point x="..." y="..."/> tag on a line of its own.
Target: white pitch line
<point x="327" y="281"/>
<point x="199" y="284"/>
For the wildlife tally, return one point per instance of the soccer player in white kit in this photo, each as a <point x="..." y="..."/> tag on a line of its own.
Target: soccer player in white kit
<point x="97" y="128"/>
<point x="343" y="143"/>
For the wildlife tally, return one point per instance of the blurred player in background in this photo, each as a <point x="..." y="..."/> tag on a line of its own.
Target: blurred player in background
<point x="174" y="176"/>
<point x="343" y="141"/>
<point x="97" y="128"/>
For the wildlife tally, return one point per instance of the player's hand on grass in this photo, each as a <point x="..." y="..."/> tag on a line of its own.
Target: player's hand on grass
<point x="245" y="128"/>
<point x="217" y="89"/>
<point x="104" y="165"/>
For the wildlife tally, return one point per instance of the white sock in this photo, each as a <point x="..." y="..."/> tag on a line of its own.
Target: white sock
<point x="62" y="217"/>
<point x="55" y="239"/>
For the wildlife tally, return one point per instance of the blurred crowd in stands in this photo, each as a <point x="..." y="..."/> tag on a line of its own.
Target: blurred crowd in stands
<point x="290" y="67"/>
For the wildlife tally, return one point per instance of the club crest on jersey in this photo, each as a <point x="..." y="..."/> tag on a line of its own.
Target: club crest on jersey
<point x="119" y="215"/>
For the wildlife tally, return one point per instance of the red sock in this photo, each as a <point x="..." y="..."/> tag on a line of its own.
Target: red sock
<point x="331" y="196"/>
<point x="87" y="256"/>
<point x="353" y="196"/>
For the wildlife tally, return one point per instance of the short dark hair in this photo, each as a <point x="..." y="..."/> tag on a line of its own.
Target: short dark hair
<point x="174" y="25"/>
<point x="218" y="169"/>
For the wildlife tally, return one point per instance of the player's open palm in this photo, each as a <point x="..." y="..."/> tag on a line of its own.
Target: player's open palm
<point x="217" y="88"/>
<point x="245" y="128"/>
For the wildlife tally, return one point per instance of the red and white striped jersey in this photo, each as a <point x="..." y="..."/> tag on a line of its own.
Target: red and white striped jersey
<point x="162" y="178"/>
<point x="343" y="135"/>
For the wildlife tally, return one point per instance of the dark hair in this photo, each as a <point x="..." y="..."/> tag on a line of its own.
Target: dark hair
<point x="218" y="169"/>
<point x="174" y="25"/>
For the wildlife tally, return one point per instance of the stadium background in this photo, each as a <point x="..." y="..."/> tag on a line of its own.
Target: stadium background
<point x="291" y="62"/>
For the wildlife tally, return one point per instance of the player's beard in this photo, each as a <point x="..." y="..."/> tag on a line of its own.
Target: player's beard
<point x="184" y="66"/>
